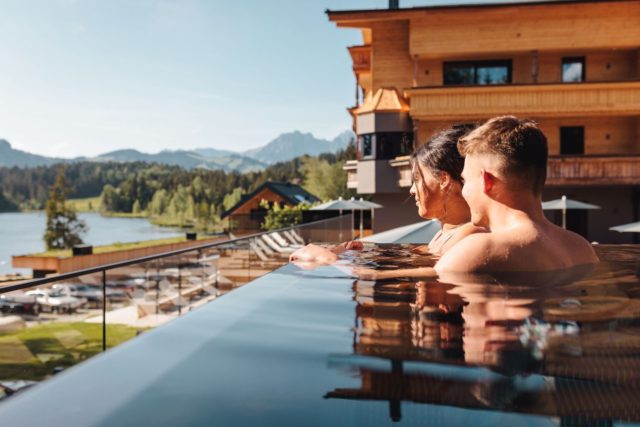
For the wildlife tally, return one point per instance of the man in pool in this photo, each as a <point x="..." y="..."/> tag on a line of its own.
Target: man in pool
<point x="504" y="173"/>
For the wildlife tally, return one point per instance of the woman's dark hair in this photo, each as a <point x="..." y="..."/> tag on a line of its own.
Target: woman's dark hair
<point x="440" y="152"/>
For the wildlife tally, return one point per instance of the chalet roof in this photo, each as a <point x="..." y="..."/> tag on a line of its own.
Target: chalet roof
<point x="382" y="13"/>
<point x="291" y="194"/>
<point x="384" y="100"/>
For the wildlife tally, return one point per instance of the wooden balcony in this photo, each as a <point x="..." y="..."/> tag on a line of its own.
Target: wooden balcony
<point x="566" y="170"/>
<point x="594" y="170"/>
<point x="561" y="171"/>
<point x="361" y="58"/>
<point x="403" y="166"/>
<point x="351" y="167"/>
<point x="532" y="100"/>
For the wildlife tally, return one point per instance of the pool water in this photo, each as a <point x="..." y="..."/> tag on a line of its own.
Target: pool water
<point x="319" y="348"/>
<point x="522" y="344"/>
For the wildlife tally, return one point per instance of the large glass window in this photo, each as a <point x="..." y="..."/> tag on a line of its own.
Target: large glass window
<point x="366" y="145"/>
<point x="573" y="69"/>
<point x="385" y="145"/>
<point x="572" y="140"/>
<point x="477" y="72"/>
<point x="394" y="144"/>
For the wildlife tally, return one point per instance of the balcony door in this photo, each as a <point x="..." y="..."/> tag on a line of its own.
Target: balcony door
<point x="572" y="140"/>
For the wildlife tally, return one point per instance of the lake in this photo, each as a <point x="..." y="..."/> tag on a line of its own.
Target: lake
<point x="21" y="233"/>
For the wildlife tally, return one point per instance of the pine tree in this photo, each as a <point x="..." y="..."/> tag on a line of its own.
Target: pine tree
<point x="63" y="226"/>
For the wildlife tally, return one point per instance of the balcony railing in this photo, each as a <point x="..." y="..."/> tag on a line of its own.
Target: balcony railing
<point x="565" y="170"/>
<point x="404" y="171"/>
<point x="538" y="100"/>
<point x="594" y="170"/>
<point x="361" y="58"/>
<point x="351" y="167"/>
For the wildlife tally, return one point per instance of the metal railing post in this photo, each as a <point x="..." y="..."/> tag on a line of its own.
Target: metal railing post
<point x="249" y="263"/>
<point x="157" y="287"/>
<point x="179" y="287"/>
<point x="104" y="310"/>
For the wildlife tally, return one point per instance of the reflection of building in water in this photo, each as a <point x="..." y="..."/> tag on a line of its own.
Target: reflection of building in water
<point x="570" y="65"/>
<point x="460" y="346"/>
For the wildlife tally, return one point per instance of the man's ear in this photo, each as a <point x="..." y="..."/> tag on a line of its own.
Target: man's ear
<point x="489" y="181"/>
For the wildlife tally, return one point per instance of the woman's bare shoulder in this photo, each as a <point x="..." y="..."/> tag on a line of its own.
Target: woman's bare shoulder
<point x="471" y="228"/>
<point x="470" y="254"/>
<point x="462" y="232"/>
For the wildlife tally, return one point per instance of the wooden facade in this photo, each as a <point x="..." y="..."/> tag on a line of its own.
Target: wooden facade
<point x="411" y="49"/>
<point x="247" y="215"/>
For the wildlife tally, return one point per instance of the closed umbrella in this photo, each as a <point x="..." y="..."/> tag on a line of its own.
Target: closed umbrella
<point x="365" y="204"/>
<point x="420" y="232"/>
<point x="563" y="204"/>
<point x="633" y="227"/>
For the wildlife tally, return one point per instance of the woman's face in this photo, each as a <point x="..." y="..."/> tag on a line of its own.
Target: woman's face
<point x="428" y="193"/>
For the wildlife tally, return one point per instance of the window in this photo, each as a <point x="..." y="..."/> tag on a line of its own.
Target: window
<point x="572" y="140"/>
<point x="477" y="72"/>
<point x="366" y="145"/>
<point x="393" y="144"/>
<point x="573" y="70"/>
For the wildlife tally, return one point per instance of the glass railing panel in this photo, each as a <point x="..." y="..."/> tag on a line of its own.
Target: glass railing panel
<point x="46" y="329"/>
<point x="333" y="230"/>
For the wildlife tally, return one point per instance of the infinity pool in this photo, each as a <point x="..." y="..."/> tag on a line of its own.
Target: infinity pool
<point x="319" y="348"/>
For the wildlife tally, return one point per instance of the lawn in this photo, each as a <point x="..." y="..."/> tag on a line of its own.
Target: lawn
<point x="32" y="353"/>
<point x="118" y="246"/>
<point x="90" y="204"/>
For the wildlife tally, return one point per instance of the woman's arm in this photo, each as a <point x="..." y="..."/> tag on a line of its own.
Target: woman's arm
<point x="371" y="274"/>
<point x="314" y="253"/>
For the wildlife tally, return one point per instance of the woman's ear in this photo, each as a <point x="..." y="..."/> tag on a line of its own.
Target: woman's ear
<point x="445" y="180"/>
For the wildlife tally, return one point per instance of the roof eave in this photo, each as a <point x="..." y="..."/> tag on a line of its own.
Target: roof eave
<point x="363" y="17"/>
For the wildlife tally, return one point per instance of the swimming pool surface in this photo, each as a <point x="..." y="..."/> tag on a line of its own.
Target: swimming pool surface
<point x="318" y="348"/>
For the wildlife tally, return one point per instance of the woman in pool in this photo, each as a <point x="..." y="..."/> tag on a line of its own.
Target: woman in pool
<point x="437" y="189"/>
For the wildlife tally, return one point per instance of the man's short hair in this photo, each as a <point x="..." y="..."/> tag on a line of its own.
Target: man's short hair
<point x="519" y="142"/>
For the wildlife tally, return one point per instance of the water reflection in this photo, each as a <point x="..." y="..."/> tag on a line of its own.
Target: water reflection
<point x="564" y="345"/>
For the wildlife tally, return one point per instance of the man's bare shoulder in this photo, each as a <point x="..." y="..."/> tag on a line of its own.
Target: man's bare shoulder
<point x="578" y="247"/>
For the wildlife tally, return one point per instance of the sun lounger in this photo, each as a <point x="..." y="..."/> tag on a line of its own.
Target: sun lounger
<point x="266" y="249"/>
<point x="275" y="246"/>
<point x="287" y="235"/>
<point x="283" y="242"/>
<point x="256" y="249"/>
<point x="295" y="236"/>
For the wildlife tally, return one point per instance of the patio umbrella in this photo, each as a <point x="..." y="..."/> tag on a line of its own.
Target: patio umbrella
<point x="563" y="204"/>
<point x="339" y="205"/>
<point x="365" y="204"/>
<point x="633" y="227"/>
<point x="420" y="232"/>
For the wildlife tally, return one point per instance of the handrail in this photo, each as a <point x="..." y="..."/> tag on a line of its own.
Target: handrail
<point x="104" y="267"/>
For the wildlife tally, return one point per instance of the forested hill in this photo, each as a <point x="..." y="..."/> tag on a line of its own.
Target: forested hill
<point x="284" y="147"/>
<point x="169" y="193"/>
<point x="10" y="156"/>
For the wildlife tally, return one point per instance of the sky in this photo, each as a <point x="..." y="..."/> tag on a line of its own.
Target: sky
<point x="84" y="77"/>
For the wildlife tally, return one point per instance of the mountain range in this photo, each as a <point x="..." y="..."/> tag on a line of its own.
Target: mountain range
<point x="285" y="147"/>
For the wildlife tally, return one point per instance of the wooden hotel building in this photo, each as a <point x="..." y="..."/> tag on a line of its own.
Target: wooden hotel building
<point x="573" y="66"/>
